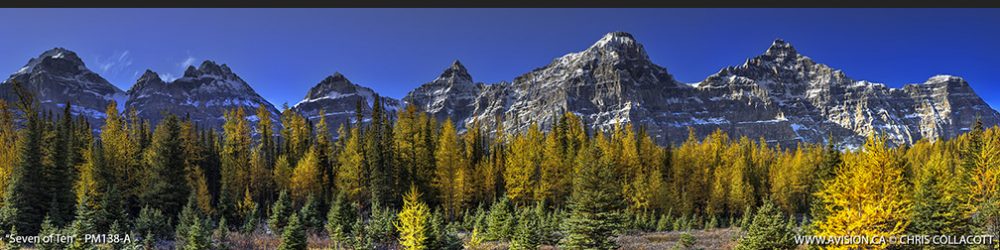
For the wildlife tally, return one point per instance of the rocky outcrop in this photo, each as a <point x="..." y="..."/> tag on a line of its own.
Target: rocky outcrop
<point x="204" y="94"/>
<point x="337" y="99"/>
<point x="57" y="77"/>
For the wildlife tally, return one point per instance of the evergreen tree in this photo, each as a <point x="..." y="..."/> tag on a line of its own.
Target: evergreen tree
<point x="310" y="214"/>
<point x="61" y="173"/>
<point x="25" y="204"/>
<point x="500" y="222"/>
<point x="383" y="176"/>
<point x="48" y="229"/>
<point x="221" y="235"/>
<point x="528" y="233"/>
<point x="823" y="173"/>
<point x="937" y="208"/>
<point x="186" y="222"/>
<point x="198" y="237"/>
<point x="596" y="205"/>
<point x="339" y="220"/>
<point x="294" y="236"/>
<point x="767" y="231"/>
<point x="280" y="212"/>
<point x="152" y="222"/>
<point x="324" y="155"/>
<point x="166" y="186"/>
<point x="413" y="223"/>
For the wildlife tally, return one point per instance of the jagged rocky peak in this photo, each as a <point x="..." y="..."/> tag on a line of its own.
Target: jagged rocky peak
<point x="150" y="76"/>
<point x="58" y="76"/>
<point x="450" y="95"/>
<point x="148" y="80"/>
<point x="456" y="71"/>
<point x="204" y="93"/>
<point x="617" y="40"/>
<point x="56" y="60"/>
<point x="334" y="86"/>
<point x="781" y="48"/>
<point x="209" y="67"/>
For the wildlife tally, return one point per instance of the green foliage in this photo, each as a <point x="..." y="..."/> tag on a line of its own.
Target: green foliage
<point x="294" y="236"/>
<point x="48" y="229"/>
<point x="381" y="229"/>
<point x="339" y="220"/>
<point x="312" y="218"/>
<point x="596" y="205"/>
<point x="165" y="188"/>
<point x="664" y="223"/>
<point x="280" y="212"/>
<point x="528" y="233"/>
<point x="221" y="235"/>
<point x="687" y="241"/>
<point x="198" y="237"/>
<point x="185" y="222"/>
<point x="769" y="230"/>
<point x="500" y="222"/>
<point x="152" y="222"/>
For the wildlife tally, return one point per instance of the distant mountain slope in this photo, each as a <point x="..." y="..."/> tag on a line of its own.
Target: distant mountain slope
<point x="204" y="93"/>
<point x="58" y="76"/>
<point x="781" y="96"/>
<point x="338" y="98"/>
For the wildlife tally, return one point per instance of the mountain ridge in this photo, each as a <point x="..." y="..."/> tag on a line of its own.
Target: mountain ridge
<point x="780" y="95"/>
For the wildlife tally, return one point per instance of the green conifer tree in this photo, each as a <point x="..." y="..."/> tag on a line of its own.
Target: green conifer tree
<point x="596" y="204"/>
<point x="294" y="236"/>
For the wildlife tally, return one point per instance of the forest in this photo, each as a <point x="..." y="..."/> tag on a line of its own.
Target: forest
<point x="404" y="180"/>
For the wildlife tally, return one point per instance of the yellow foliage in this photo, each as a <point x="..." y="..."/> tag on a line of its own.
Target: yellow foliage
<point x="413" y="221"/>
<point x="868" y="196"/>
<point x="306" y="178"/>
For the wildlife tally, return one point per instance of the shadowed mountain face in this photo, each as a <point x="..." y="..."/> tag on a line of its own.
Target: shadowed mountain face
<point x="338" y="99"/>
<point x="58" y="76"/>
<point x="781" y="96"/>
<point x="204" y="94"/>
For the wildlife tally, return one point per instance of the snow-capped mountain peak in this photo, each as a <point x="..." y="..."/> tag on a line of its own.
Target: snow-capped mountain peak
<point x="58" y="76"/>
<point x="781" y="48"/>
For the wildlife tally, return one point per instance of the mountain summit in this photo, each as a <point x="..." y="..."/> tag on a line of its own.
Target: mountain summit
<point x="780" y="95"/>
<point x="204" y="93"/>
<point x="58" y="76"/>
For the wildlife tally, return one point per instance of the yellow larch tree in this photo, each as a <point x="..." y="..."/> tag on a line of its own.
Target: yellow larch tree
<point x="869" y="196"/>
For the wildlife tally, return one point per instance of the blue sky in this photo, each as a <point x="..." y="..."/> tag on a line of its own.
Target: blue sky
<point x="284" y="52"/>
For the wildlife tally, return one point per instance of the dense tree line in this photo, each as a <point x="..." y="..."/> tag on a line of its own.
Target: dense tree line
<point x="407" y="179"/>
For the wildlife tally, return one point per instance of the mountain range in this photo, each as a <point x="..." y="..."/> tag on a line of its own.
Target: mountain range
<point x="781" y="96"/>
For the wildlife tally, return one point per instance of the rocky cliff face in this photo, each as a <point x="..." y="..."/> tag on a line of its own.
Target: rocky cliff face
<point x="204" y="93"/>
<point x="781" y="96"/>
<point x="58" y="76"/>
<point x="452" y="94"/>
<point x="337" y="99"/>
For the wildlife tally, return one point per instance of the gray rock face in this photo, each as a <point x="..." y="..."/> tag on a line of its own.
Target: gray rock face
<point x="781" y="96"/>
<point x="453" y="94"/>
<point x="58" y="76"/>
<point x="337" y="99"/>
<point x="204" y="93"/>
